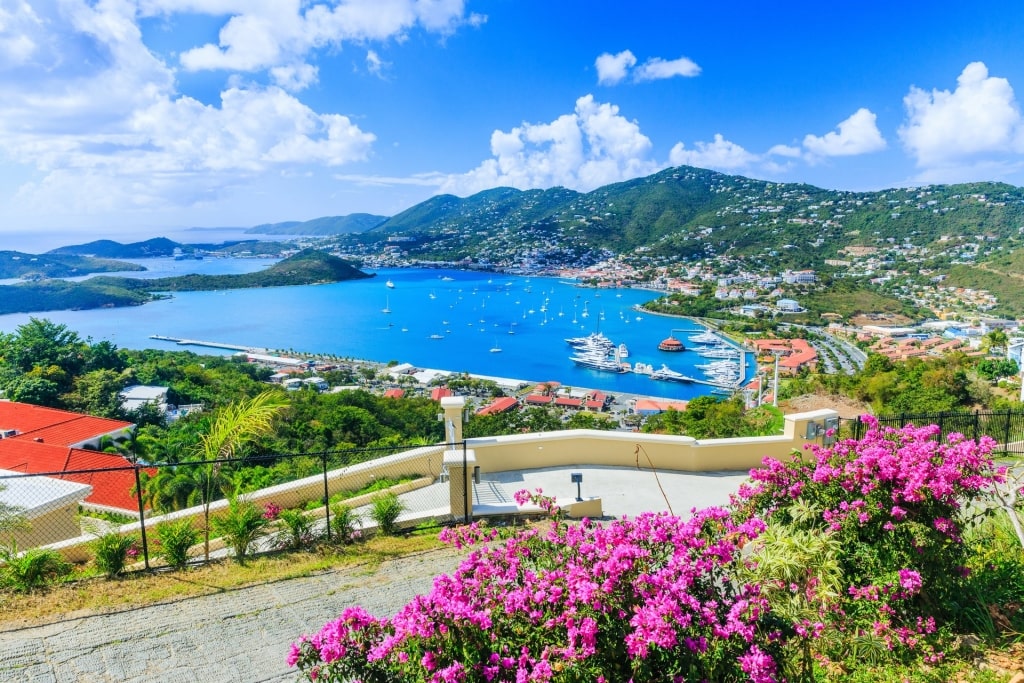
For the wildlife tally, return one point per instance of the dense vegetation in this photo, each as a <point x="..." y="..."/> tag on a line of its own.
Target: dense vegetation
<point x="15" y="264"/>
<point x="328" y="225"/>
<point x="306" y="267"/>
<point x="688" y="213"/>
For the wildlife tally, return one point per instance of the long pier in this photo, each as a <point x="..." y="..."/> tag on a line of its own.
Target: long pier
<point x="208" y="344"/>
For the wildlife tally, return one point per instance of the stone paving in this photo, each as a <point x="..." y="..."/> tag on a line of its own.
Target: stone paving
<point x="238" y="636"/>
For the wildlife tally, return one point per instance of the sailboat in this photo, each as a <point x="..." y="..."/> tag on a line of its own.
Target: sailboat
<point x="432" y="295"/>
<point x="387" y="305"/>
<point x="495" y="348"/>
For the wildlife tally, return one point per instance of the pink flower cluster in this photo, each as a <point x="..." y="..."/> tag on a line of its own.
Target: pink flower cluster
<point x="895" y="500"/>
<point x="636" y="599"/>
<point x="271" y="511"/>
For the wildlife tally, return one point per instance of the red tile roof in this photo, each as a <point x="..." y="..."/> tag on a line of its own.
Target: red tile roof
<point x="437" y="393"/>
<point x="651" y="405"/>
<point x="58" y="427"/>
<point x="43" y="442"/>
<point x="110" y="488"/>
<point x="568" y="402"/>
<point x="394" y="393"/>
<point x="539" y="399"/>
<point x="499" y="406"/>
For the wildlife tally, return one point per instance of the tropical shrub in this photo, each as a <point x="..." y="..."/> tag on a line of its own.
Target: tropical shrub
<point x="647" y="599"/>
<point x="35" y="568"/>
<point x="891" y="509"/>
<point x="345" y="524"/>
<point x="240" y="526"/>
<point x="385" y="510"/>
<point x="298" y="529"/>
<point x="111" y="552"/>
<point x="175" y="539"/>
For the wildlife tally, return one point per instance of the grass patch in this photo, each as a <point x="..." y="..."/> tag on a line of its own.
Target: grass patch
<point x="84" y="596"/>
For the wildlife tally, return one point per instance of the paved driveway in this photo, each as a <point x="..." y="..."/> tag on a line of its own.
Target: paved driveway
<point x="239" y="636"/>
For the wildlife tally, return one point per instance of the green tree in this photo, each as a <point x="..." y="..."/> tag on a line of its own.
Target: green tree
<point x="232" y="429"/>
<point x="97" y="393"/>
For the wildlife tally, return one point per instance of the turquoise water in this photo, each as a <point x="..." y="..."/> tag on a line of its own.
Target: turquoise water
<point x="472" y="313"/>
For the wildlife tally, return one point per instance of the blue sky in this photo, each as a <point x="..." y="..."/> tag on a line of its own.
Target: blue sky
<point x="133" y="115"/>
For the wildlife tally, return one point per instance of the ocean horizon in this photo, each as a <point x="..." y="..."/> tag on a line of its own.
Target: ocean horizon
<point x="461" y="321"/>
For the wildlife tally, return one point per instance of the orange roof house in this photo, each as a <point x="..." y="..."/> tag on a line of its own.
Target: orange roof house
<point x="499" y="406"/>
<point x="394" y="393"/>
<point x="437" y="393"/>
<point x="39" y="440"/>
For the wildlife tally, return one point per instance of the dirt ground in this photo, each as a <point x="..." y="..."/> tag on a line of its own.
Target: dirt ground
<point x="846" y="407"/>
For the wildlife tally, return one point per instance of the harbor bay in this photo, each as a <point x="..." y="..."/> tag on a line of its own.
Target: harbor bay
<point x="482" y="323"/>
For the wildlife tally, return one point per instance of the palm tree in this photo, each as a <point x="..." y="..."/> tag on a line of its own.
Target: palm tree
<point x="234" y="427"/>
<point x="995" y="340"/>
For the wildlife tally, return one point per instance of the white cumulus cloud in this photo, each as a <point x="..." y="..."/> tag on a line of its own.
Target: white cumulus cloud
<point x="612" y="69"/>
<point x="978" y="123"/>
<point x="858" y="134"/>
<point x="98" y="119"/>
<point x="721" y="155"/>
<point x="656" y="69"/>
<point x="261" y="34"/>
<point x="593" y="146"/>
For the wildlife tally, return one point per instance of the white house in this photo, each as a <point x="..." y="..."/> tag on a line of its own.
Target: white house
<point x="137" y="395"/>
<point x="788" y="306"/>
<point x="48" y="506"/>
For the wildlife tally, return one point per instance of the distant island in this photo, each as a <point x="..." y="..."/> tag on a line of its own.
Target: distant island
<point x="161" y="247"/>
<point x="15" y="264"/>
<point x="320" y="227"/>
<point x="305" y="268"/>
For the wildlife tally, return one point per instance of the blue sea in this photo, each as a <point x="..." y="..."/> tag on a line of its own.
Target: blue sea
<point x="438" y="319"/>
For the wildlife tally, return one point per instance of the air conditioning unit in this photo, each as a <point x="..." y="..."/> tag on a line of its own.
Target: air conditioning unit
<point x="7" y="433"/>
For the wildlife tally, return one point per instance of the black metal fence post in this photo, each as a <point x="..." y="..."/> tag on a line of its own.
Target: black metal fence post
<point x="142" y="514"/>
<point x="1006" y="434"/>
<point x="465" y="484"/>
<point x="327" y="498"/>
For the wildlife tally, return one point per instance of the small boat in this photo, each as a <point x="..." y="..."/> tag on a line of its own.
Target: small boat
<point x="387" y="306"/>
<point x="405" y="329"/>
<point x="623" y="351"/>
<point x="432" y="295"/>
<point x="495" y="348"/>
<point x="389" y="284"/>
<point x="437" y="336"/>
<point x="447" y="279"/>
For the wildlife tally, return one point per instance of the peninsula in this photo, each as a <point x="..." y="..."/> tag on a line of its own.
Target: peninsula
<point x="304" y="268"/>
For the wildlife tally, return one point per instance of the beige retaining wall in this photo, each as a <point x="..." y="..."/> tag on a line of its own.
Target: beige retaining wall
<point x="519" y="452"/>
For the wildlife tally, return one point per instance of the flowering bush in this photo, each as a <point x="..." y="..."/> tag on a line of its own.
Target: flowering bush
<point x="643" y="599"/>
<point x="892" y="506"/>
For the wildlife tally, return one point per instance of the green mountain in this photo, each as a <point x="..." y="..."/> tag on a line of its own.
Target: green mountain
<point x="306" y="267"/>
<point x="15" y="264"/>
<point x="152" y="248"/>
<point x="688" y="213"/>
<point x="328" y="225"/>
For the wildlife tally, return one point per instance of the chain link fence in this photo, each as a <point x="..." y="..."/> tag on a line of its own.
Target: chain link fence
<point x="69" y="510"/>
